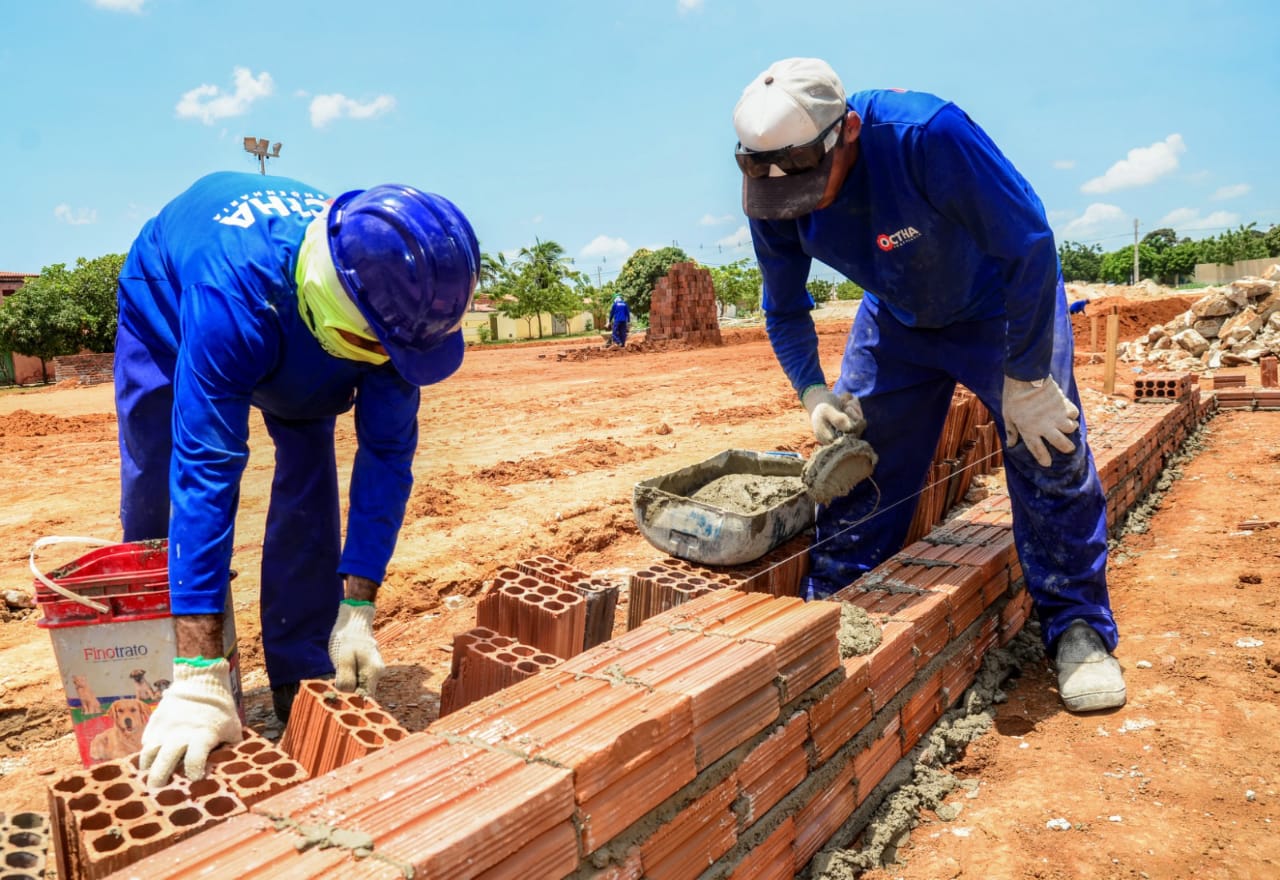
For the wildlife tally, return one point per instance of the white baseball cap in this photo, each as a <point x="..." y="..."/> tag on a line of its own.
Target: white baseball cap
<point x="793" y="103"/>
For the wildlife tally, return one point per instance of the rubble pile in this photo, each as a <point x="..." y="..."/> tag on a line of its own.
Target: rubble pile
<point x="1234" y="325"/>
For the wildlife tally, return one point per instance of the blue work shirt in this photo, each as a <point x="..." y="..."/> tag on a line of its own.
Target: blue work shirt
<point x="933" y="222"/>
<point x="210" y="283"/>
<point x="620" y="313"/>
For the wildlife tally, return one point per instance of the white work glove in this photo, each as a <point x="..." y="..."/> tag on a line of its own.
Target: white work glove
<point x="195" y="715"/>
<point x="352" y="649"/>
<point x="1039" y="413"/>
<point x="832" y="414"/>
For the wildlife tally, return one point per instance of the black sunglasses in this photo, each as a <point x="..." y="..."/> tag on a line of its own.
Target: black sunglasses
<point x="791" y="160"/>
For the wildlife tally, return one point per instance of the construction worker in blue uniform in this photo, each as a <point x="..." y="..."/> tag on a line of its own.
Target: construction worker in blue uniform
<point x="905" y="195"/>
<point x="250" y="291"/>
<point x="619" y="320"/>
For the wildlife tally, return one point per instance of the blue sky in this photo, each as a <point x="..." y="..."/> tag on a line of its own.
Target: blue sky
<point x="606" y="125"/>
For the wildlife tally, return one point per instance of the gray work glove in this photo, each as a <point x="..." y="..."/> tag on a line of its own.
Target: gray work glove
<point x="353" y="650"/>
<point x="1039" y="413"/>
<point x="195" y="715"/>
<point x="832" y="414"/>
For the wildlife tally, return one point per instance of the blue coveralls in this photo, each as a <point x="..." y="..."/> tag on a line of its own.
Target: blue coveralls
<point x="209" y="327"/>
<point x="619" y="318"/>
<point x="962" y="284"/>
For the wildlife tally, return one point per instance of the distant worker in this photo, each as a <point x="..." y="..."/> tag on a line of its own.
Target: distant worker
<point x="905" y="195"/>
<point x="1078" y="307"/>
<point x="260" y="292"/>
<point x="619" y="319"/>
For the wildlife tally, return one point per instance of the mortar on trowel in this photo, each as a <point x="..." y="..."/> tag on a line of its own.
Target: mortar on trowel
<point x="735" y="507"/>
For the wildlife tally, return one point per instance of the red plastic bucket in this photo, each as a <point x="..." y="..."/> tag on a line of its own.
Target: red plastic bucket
<point x="108" y="615"/>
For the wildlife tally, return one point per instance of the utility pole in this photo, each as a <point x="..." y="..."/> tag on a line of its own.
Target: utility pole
<point x="262" y="150"/>
<point x="1135" y="250"/>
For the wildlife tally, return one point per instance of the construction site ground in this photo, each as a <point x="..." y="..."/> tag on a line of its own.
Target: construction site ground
<point x="535" y="449"/>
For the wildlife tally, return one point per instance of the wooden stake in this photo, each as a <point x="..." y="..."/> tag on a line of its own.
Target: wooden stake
<point x="1113" y="338"/>
<point x="1093" y="333"/>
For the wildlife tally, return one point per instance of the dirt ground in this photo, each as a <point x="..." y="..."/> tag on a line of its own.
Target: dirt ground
<point x="525" y="451"/>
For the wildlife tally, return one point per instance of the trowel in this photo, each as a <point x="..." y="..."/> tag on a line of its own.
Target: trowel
<point x="834" y="469"/>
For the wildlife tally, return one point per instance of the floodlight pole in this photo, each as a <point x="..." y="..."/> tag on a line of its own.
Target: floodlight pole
<point x="263" y="150"/>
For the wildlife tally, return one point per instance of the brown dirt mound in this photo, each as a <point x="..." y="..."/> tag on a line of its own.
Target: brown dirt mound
<point x="24" y="423"/>
<point x="585" y="455"/>
<point x="1136" y="316"/>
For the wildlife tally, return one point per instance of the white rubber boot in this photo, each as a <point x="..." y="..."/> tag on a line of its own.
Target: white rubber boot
<point x="1089" y="678"/>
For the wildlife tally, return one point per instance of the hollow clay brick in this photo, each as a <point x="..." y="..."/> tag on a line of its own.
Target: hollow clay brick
<point x="839" y="715"/>
<point x="24" y="845"/>
<point x="328" y="728"/>
<point x="891" y="664"/>
<point x="551" y="854"/>
<point x="921" y="710"/>
<point x="702" y="832"/>
<point x="817" y="820"/>
<point x="772" y="859"/>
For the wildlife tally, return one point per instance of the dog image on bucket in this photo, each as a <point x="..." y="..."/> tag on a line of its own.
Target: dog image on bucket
<point x="89" y="704"/>
<point x="124" y="737"/>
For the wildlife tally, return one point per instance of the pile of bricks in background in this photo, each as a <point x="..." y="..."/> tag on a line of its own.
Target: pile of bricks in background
<point x="104" y="818"/>
<point x="725" y="737"/>
<point x="669" y="582"/>
<point x="328" y="728"/>
<point x="1232" y="392"/>
<point x="24" y="846"/>
<point x="485" y="662"/>
<point x="683" y="307"/>
<point x="533" y="615"/>
<point x="969" y="445"/>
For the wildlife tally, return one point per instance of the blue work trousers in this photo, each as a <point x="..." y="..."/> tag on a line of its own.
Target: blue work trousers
<point x="904" y="378"/>
<point x="619" y="333"/>
<point x="300" y="585"/>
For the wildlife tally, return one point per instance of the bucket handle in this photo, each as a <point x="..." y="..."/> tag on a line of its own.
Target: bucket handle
<point x="58" y="588"/>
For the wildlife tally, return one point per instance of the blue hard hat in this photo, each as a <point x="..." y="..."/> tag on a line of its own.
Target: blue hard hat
<point x="409" y="260"/>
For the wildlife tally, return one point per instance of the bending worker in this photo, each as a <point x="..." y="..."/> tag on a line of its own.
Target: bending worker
<point x="251" y="291"/>
<point x="619" y="319"/>
<point x="904" y="194"/>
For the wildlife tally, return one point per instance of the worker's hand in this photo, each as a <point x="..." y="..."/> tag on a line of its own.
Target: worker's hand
<point x="832" y="414"/>
<point x="352" y="649"/>
<point x="195" y="715"/>
<point x="1039" y="413"/>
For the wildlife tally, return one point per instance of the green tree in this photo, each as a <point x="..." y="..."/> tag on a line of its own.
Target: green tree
<point x="1160" y="240"/>
<point x="737" y="284"/>
<point x="848" y="290"/>
<point x="63" y="311"/>
<point x="540" y="281"/>
<point x="1272" y="240"/>
<point x="821" y="290"/>
<point x="640" y="274"/>
<point x="1080" y="262"/>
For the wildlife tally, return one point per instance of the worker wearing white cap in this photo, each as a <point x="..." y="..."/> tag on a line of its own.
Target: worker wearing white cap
<point x="905" y="195"/>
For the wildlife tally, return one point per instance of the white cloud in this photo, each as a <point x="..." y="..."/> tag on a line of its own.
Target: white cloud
<point x="687" y="6"/>
<point x="208" y="104"/>
<point x="75" y="216"/>
<point x="1234" y="191"/>
<point x="1094" y="217"/>
<point x="537" y="218"/>
<point x="327" y="108"/>
<point x="1185" y="220"/>
<point x="741" y="238"/>
<point x="604" y="246"/>
<point x="120" y="5"/>
<point x="1064" y="164"/>
<point x="710" y="220"/>
<point x="1143" y="165"/>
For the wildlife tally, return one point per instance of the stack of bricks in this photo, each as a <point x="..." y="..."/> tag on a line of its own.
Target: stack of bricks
<point x="535" y="612"/>
<point x="600" y="596"/>
<point x="683" y="307"/>
<point x="24" y="846"/>
<point x="328" y="728"/>
<point x="725" y="737"/>
<point x="670" y="582"/>
<point x="485" y="662"/>
<point x="1232" y="392"/>
<point x="1171" y="386"/>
